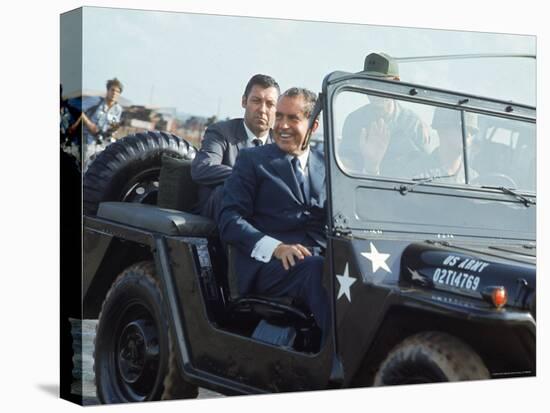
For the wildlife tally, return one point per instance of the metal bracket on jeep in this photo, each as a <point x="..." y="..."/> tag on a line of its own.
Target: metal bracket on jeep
<point x="340" y="225"/>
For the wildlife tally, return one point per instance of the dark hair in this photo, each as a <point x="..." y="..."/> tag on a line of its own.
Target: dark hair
<point x="114" y="82"/>
<point x="264" y="81"/>
<point x="309" y="97"/>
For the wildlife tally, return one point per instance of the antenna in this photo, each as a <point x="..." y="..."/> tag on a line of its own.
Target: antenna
<point x="462" y="56"/>
<point x="312" y="118"/>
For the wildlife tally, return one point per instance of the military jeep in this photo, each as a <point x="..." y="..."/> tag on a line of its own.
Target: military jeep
<point x="431" y="279"/>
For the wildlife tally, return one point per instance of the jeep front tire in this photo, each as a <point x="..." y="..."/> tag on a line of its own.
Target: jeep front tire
<point x="431" y="357"/>
<point x="134" y="358"/>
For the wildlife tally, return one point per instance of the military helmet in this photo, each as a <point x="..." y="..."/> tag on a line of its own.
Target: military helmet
<point x="381" y="65"/>
<point x="444" y="117"/>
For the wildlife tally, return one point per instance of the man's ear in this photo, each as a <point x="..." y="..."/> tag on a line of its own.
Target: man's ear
<point x="310" y="132"/>
<point x="315" y="125"/>
<point x="243" y="102"/>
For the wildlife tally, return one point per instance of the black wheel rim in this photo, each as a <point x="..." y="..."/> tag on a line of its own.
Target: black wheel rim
<point x="135" y="359"/>
<point x="143" y="188"/>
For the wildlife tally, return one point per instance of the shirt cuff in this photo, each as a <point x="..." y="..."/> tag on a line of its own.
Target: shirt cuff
<point x="264" y="248"/>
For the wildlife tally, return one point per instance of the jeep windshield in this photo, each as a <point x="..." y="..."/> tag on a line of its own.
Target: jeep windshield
<point x="463" y="154"/>
<point x="389" y="137"/>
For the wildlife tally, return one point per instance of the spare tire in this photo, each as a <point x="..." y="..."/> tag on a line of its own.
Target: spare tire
<point x="128" y="169"/>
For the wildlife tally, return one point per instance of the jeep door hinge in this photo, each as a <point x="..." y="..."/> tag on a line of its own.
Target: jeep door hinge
<point x="341" y="226"/>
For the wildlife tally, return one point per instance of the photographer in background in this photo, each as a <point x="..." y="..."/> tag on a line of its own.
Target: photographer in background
<point x="101" y="121"/>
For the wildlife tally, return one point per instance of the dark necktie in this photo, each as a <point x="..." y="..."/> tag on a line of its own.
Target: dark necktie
<point x="300" y="178"/>
<point x="257" y="142"/>
<point x="316" y="234"/>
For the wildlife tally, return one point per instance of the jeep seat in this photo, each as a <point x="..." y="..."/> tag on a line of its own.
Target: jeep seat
<point x="156" y="219"/>
<point x="178" y="191"/>
<point x="277" y="310"/>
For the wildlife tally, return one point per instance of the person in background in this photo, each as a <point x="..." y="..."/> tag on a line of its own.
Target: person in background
<point x="100" y="121"/>
<point x="446" y="162"/>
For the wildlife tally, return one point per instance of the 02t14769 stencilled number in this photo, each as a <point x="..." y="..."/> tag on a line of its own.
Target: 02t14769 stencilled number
<point x="456" y="279"/>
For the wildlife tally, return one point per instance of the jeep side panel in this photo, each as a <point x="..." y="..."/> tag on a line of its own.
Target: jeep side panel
<point x="384" y="306"/>
<point x="251" y="366"/>
<point x="211" y="355"/>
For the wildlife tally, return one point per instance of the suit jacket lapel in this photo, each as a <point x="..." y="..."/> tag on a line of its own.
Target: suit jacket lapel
<point x="240" y="134"/>
<point x="283" y="168"/>
<point x="316" y="176"/>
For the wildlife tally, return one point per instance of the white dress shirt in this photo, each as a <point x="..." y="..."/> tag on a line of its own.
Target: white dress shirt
<point x="251" y="135"/>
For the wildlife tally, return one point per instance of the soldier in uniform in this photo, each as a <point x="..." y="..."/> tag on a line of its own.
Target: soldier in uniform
<point x="383" y="135"/>
<point x="446" y="162"/>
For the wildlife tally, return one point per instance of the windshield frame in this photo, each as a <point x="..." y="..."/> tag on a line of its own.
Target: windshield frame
<point x="419" y="94"/>
<point x="338" y="82"/>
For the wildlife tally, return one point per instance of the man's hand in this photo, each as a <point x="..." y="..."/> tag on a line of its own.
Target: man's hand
<point x="92" y="127"/>
<point x="289" y="253"/>
<point x="73" y="127"/>
<point x="373" y="143"/>
<point x="426" y="137"/>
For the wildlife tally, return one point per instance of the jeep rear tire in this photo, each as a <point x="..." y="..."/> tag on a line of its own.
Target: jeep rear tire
<point x="431" y="357"/>
<point x="134" y="359"/>
<point x="128" y="169"/>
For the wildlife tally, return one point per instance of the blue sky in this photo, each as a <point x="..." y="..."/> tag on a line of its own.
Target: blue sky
<point x="200" y="64"/>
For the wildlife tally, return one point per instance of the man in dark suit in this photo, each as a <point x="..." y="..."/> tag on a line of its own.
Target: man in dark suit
<point x="223" y="140"/>
<point x="273" y="211"/>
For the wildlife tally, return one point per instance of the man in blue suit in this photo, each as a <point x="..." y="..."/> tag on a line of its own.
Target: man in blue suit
<point x="273" y="211"/>
<point x="223" y="140"/>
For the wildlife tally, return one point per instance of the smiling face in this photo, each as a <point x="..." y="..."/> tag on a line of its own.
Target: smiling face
<point x="291" y="124"/>
<point x="259" y="109"/>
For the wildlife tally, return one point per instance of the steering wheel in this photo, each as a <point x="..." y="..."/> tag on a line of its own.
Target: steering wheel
<point x="496" y="179"/>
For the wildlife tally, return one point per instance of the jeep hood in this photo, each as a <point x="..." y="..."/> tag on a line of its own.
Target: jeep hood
<point x="472" y="269"/>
